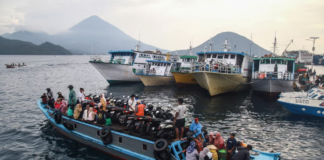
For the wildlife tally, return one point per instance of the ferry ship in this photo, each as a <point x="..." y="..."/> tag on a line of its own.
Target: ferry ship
<point x="182" y="70"/>
<point x="223" y="71"/>
<point x="273" y="74"/>
<point x="123" y="63"/>
<point x="300" y="56"/>
<point x="157" y="73"/>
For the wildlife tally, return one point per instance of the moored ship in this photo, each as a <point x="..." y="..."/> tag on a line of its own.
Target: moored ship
<point x="120" y="68"/>
<point x="223" y="71"/>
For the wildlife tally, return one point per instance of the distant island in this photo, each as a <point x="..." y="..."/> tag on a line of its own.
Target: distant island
<point x="17" y="47"/>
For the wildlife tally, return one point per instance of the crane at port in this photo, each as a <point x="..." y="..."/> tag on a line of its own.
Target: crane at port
<point x="284" y="52"/>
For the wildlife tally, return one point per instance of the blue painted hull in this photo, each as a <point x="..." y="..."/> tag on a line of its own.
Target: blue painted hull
<point x="303" y="109"/>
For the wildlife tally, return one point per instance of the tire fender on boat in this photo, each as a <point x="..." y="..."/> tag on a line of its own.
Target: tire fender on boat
<point x="106" y="135"/>
<point x="68" y="125"/>
<point x="57" y="118"/>
<point x="160" y="145"/>
<point x="163" y="155"/>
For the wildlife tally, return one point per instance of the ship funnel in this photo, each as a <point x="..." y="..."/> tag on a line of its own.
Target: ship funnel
<point x="168" y="57"/>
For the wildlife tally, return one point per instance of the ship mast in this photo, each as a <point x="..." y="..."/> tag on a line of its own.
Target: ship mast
<point x="210" y="45"/>
<point x="190" y="49"/>
<point x="274" y="45"/>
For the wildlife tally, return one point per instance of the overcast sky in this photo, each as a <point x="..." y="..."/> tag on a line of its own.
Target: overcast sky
<point x="172" y="24"/>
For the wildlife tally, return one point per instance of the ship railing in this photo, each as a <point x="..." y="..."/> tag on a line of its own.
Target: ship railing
<point x="150" y="72"/>
<point x="216" y="67"/>
<point x="273" y="75"/>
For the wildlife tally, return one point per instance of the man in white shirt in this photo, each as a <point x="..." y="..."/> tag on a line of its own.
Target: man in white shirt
<point x="132" y="103"/>
<point x="81" y="95"/>
<point x="179" y="119"/>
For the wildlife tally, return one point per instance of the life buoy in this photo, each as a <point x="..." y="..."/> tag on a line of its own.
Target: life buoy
<point x="160" y="145"/>
<point x="57" y="118"/>
<point x="68" y="125"/>
<point x="163" y="155"/>
<point x="105" y="134"/>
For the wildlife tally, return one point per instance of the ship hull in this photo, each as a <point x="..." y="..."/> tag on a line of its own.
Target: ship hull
<point x="184" y="78"/>
<point x="116" y="73"/>
<point x="220" y="83"/>
<point x="274" y="86"/>
<point x="302" y="109"/>
<point x="152" y="80"/>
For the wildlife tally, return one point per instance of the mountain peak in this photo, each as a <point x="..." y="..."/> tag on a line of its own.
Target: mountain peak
<point x="92" y="22"/>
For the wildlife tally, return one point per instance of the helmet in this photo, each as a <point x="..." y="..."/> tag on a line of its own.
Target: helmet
<point x="70" y="86"/>
<point x="48" y="89"/>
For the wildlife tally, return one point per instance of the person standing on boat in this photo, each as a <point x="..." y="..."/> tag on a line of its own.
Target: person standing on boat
<point x="230" y="145"/>
<point x="49" y="93"/>
<point x="72" y="97"/>
<point x="81" y="95"/>
<point x="179" y="119"/>
<point x="132" y="103"/>
<point x="103" y="101"/>
<point x="139" y="108"/>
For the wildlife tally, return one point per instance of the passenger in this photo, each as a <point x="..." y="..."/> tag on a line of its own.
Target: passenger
<point x="49" y="93"/>
<point x="139" y="108"/>
<point x="101" y="116"/>
<point x="81" y="95"/>
<point x="58" y="103"/>
<point x="86" y="113"/>
<point x="243" y="153"/>
<point x="191" y="153"/>
<point x="103" y="101"/>
<point x="219" y="141"/>
<point x="59" y="95"/>
<point x="199" y="144"/>
<point x="92" y="114"/>
<point x="230" y="145"/>
<point x="77" y="111"/>
<point x="210" y="138"/>
<point x="50" y="102"/>
<point x="132" y="103"/>
<point x="72" y="97"/>
<point x="240" y="144"/>
<point x="179" y="119"/>
<point x="213" y="150"/>
<point x="64" y="107"/>
<point x="196" y="127"/>
<point x="205" y="154"/>
<point x="44" y="98"/>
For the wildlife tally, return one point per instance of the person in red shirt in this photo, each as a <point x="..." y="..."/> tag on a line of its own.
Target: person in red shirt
<point x="58" y="103"/>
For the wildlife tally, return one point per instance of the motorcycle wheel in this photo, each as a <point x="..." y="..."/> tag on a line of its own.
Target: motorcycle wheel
<point x="152" y="134"/>
<point x="131" y="128"/>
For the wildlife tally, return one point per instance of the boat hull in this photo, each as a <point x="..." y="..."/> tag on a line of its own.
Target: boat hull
<point x="275" y="86"/>
<point x="152" y="80"/>
<point x="116" y="73"/>
<point x="303" y="109"/>
<point x="219" y="83"/>
<point x="184" y="78"/>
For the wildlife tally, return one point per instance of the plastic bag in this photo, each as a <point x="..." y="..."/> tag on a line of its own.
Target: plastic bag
<point x="70" y="112"/>
<point x="108" y="122"/>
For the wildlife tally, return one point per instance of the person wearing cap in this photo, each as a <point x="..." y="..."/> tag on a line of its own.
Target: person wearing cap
<point x="60" y="96"/>
<point x="139" y="108"/>
<point x="242" y="153"/>
<point x="196" y="127"/>
<point x="72" y="97"/>
<point x="132" y="103"/>
<point x="49" y="93"/>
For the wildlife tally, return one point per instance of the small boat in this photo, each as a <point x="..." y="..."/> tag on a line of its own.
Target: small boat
<point x="302" y="93"/>
<point x="122" y="145"/>
<point x="14" y="66"/>
<point x="182" y="70"/>
<point x="311" y="105"/>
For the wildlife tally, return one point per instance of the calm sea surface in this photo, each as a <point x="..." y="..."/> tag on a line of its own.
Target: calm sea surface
<point x="25" y="133"/>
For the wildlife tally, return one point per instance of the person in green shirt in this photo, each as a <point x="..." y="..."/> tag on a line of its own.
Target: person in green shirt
<point x="72" y="97"/>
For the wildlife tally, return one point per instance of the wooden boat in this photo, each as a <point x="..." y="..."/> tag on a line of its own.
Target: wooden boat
<point x="14" y="66"/>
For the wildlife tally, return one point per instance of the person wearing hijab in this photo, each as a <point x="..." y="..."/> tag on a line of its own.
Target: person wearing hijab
<point x="77" y="111"/>
<point x="196" y="127"/>
<point x="92" y="114"/>
<point x="210" y="138"/>
<point x="204" y="154"/>
<point x="85" y="116"/>
<point x="213" y="150"/>
<point x="219" y="141"/>
<point x="64" y="107"/>
<point x="103" y="101"/>
<point x="191" y="153"/>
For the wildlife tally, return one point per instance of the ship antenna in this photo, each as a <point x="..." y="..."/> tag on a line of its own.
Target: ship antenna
<point x="205" y="52"/>
<point x="190" y="51"/>
<point x="138" y="46"/>
<point x="274" y="45"/>
<point x="251" y="45"/>
<point x="210" y="44"/>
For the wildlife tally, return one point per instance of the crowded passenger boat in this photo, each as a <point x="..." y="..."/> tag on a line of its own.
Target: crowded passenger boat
<point x="14" y="65"/>
<point x="129" y="128"/>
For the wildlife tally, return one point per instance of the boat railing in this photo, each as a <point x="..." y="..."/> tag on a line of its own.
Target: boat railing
<point x="150" y="72"/>
<point x="273" y="75"/>
<point x="216" y="67"/>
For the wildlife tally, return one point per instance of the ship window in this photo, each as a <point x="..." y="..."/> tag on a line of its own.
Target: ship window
<point x="314" y="96"/>
<point x="232" y="56"/>
<point x="220" y="57"/>
<point x="75" y="125"/>
<point x="144" y="147"/>
<point x="141" y="54"/>
<point x="120" y="140"/>
<point x="208" y="55"/>
<point x="279" y="61"/>
<point x="98" y="133"/>
<point x="226" y="56"/>
<point x="321" y="97"/>
<point x="214" y="55"/>
<point x="284" y="62"/>
<point x="311" y="91"/>
<point x="273" y="61"/>
<point x="267" y="61"/>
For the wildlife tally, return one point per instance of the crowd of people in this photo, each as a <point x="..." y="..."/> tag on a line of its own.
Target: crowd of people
<point x="200" y="148"/>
